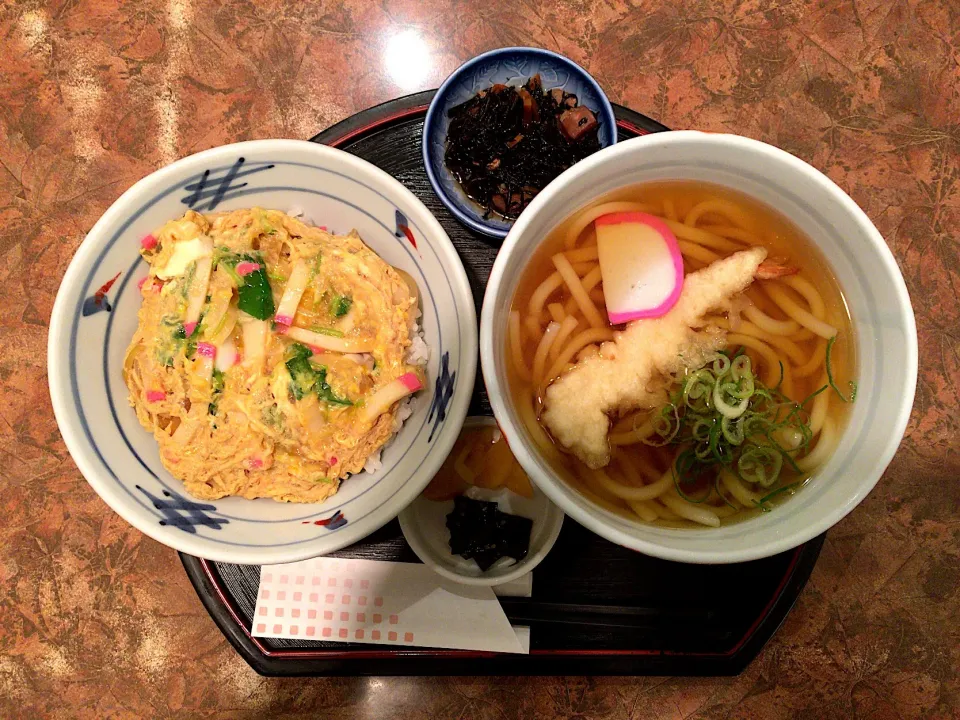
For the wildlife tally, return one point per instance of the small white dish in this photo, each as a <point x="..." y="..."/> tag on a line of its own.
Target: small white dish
<point x="424" y="525"/>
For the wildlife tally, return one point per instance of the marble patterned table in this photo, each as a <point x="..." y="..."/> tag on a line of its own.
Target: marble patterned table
<point x="97" y="621"/>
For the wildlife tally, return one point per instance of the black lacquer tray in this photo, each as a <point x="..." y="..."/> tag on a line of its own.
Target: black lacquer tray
<point x="596" y="608"/>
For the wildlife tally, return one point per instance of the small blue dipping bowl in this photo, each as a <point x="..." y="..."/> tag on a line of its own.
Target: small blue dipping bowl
<point x="509" y="66"/>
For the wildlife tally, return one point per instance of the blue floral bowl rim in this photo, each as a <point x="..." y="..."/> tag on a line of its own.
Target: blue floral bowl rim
<point x="86" y="258"/>
<point x="439" y="104"/>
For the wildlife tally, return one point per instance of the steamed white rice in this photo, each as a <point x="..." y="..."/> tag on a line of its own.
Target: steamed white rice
<point x="417" y="354"/>
<point x="297" y="212"/>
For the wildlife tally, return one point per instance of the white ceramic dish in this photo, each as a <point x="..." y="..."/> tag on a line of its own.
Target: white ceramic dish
<point x="424" y="525"/>
<point x="868" y="275"/>
<point x="88" y="337"/>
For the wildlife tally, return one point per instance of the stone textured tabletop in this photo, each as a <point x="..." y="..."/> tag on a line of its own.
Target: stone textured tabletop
<point x="97" y="621"/>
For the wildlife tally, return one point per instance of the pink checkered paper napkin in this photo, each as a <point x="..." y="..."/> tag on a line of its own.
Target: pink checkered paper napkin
<point x="381" y="603"/>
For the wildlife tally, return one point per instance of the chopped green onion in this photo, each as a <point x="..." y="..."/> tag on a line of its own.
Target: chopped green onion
<point x="741" y="368"/>
<point x="853" y="385"/>
<point x="216" y="384"/>
<point x="327" y="331"/>
<point x="697" y="390"/>
<point x="762" y="502"/>
<point x="760" y="465"/>
<point x="684" y="471"/>
<point x="315" y="268"/>
<point x="664" y="426"/>
<point x="701" y="429"/>
<point x="725" y="408"/>
<point x="812" y="395"/>
<point x="721" y="365"/>
<point x="726" y="420"/>
<point x="732" y="430"/>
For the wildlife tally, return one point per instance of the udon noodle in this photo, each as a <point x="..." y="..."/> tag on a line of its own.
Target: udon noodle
<point x="786" y="326"/>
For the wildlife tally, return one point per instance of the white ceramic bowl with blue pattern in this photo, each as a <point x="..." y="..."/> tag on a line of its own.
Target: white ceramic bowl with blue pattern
<point x="95" y="315"/>
<point x="509" y="66"/>
<point x="876" y="295"/>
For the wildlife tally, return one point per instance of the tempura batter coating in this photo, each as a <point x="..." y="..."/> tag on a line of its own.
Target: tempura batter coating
<point x="578" y="403"/>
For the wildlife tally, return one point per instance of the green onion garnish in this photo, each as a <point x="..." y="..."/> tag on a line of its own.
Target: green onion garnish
<point x="762" y="502"/>
<point x="723" y="417"/>
<point x="327" y="331"/>
<point x="853" y="385"/>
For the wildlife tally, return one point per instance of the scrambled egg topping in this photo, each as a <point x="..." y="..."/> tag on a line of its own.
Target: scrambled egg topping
<point x="270" y="355"/>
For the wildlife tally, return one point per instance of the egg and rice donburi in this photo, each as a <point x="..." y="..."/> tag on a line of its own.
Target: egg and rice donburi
<point x="272" y="358"/>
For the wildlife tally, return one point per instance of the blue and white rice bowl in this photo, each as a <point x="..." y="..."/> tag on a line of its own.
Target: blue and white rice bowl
<point x="95" y="316"/>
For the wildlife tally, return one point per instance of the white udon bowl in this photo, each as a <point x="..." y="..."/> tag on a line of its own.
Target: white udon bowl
<point x="883" y="322"/>
<point x="87" y="341"/>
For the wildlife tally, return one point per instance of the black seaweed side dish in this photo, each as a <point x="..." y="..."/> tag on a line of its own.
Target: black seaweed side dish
<point x="481" y="531"/>
<point x="505" y="143"/>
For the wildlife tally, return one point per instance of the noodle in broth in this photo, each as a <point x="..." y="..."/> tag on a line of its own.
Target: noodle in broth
<point x="785" y="326"/>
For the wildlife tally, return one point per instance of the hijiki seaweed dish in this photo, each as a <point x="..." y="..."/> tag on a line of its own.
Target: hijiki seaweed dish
<point x="505" y="144"/>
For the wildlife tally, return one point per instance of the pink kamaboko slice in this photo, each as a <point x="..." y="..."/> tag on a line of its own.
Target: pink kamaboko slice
<point x="206" y="354"/>
<point x="640" y="264"/>
<point x="382" y="399"/>
<point x="296" y="284"/>
<point x="197" y="293"/>
<point x="227" y="355"/>
<point x="254" y="333"/>
<point x="246" y="268"/>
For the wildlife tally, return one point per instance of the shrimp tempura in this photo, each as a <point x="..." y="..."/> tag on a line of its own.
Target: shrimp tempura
<point x="619" y="378"/>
